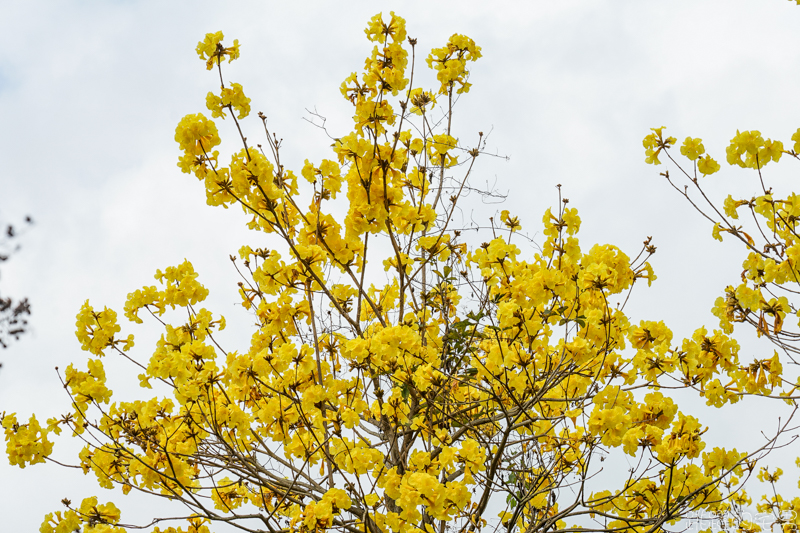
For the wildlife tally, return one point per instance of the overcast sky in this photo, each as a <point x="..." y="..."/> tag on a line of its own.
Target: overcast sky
<point x="91" y="91"/>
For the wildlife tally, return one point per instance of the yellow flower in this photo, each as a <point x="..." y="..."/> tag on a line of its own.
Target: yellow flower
<point x="511" y="223"/>
<point x="796" y="135"/>
<point x="450" y="62"/>
<point x="104" y="513"/>
<point x="756" y="151"/>
<point x="692" y="148"/>
<point x="196" y="135"/>
<point x="95" y="330"/>
<point x="730" y="206"/>
<point x="228" y="494"/>
<point x="610" y="424"/>
<point x="232" y="97"/>
<point x="210" y="49"/>
<point x="144" y="297"/>
<point x="25" y="443"/>
<point x="377" y="30"/>
<point x="338" y="499"/>
<point x="440" y="147"/>
<point x="765" y="476"/>
<point x="88" y="386"/>
<point x="182" y="287"/>
<point x="61" y="523"/>
<point x="771" y="150"/>
<point x="720" y="460"/>
<point x="650" y="335"/>
<point x="707" y="166"/>
<point x="654" y="143"/>
<point x="420" y="100"/>
<point x="717" y="230"/>
<point x="572" y="220"/>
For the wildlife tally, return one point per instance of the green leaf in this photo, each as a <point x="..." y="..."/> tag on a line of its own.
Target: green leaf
<point x="511" y="501"/>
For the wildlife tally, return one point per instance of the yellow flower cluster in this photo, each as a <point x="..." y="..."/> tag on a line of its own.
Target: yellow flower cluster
<point x="756" y="151"/>
<point x="87" y="387"/>
<point x="450" y="63"/>
<point x="196" y="136"/>
<point x="747" y="149"/>
<point x="319" y="516"/>
<point x="95" y="330"/>
<point x="654" y="143"/>
<point x="230" y="97"/>
<point x="212" y="52"/>
<point x="25" y="443"/>
<point x="95" y="518"/>
<point x="181" y="289"/>
<point x="420" y="101"/>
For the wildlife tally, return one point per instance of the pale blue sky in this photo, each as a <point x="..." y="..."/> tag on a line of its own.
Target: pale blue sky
<point x="90" y="93"/>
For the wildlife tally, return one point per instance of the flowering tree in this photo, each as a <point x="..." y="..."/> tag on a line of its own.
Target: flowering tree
<point x="397" y="378"/>
<point x="767" y="292"/>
